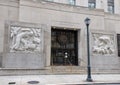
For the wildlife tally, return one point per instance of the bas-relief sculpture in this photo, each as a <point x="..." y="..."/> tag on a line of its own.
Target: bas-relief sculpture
<point x="103" y="44"/>
<point x="24" y="39"/>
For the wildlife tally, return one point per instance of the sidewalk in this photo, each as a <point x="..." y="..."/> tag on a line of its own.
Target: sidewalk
<point x="58" y="79"/>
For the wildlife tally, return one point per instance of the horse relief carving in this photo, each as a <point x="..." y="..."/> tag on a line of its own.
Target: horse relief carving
<point x="25" y="39"/>
<point x="103" y="44"/>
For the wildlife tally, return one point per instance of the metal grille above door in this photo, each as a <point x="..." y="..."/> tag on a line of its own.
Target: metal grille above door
<point x="64" y="47"/>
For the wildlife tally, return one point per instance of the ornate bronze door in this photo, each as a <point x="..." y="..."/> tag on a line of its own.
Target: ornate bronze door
<point x="64" y="47"/>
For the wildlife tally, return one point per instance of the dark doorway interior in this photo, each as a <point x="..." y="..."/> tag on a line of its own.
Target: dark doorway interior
<point x="118" y="42"/>
<point x="64" y="45"/>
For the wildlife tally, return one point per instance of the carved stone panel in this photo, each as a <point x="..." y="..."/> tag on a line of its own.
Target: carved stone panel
<point x="23" y="46"/>
<point x="103" y="44"/>
<point x="25" y="39"/>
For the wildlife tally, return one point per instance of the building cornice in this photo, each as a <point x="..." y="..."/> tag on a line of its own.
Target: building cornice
<point x="12" y="3"/>
<point x="62" y="7"/>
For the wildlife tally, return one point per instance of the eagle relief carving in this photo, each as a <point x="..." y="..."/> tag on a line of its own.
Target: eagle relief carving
<point x="103" y="44"/>
<point x="25" y="39"/>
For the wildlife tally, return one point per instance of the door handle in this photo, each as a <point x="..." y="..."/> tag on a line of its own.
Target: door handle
<point x="66" y="55"/>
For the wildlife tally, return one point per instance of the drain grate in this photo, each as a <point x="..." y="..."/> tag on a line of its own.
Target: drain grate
<point x="10" y="83"/>
<point x="33" y="82"/>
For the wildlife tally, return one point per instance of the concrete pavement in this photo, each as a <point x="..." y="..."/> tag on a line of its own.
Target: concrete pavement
<point x="58" y="79"/>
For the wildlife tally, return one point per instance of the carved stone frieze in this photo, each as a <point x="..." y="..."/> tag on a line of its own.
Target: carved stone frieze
<point x="103" y="44"/>
<point x="25" y="39"/>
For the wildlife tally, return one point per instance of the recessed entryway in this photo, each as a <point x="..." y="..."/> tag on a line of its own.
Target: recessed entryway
<point x="64" y="45"/>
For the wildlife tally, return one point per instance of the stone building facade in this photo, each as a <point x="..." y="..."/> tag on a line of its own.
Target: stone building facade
<point x="49" y="36"/>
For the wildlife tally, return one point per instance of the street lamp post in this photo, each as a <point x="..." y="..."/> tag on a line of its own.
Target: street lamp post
<point x="87" y="22"/>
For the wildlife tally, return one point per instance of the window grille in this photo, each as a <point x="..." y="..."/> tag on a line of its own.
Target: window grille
<point x="92" y="3"/>
<point x="50" y="0"/>
<point x="72" y="2"/>
<point x="111" y="6"/>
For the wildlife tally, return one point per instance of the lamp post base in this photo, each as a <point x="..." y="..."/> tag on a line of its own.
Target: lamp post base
<point x="89" y="80"/>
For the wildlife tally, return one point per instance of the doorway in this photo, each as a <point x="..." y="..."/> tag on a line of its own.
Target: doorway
<point x="64" y="47"/>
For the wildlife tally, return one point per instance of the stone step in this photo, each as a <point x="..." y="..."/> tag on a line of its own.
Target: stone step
<point x="105" y="71"/>
<point x="81" y="70"/>
<point x="57" y="70"/>
<point x="68" y="70"/>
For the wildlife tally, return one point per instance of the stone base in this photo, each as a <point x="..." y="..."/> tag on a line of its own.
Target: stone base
<point x="23" y="61"/>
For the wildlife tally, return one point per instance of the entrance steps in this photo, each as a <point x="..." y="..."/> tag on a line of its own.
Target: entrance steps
<point x="68" y="70"/>
<point x="81" y="70"/>
<point x="56" y="70"/>
<point x="105" y="71"/>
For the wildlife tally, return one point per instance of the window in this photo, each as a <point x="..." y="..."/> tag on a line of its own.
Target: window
<point x="118" y="44"/>
<point x="72" y="2"/>
<point x="92" y="3"/>
<point x="111" y="6"/>
<point x="50" y="0"/>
